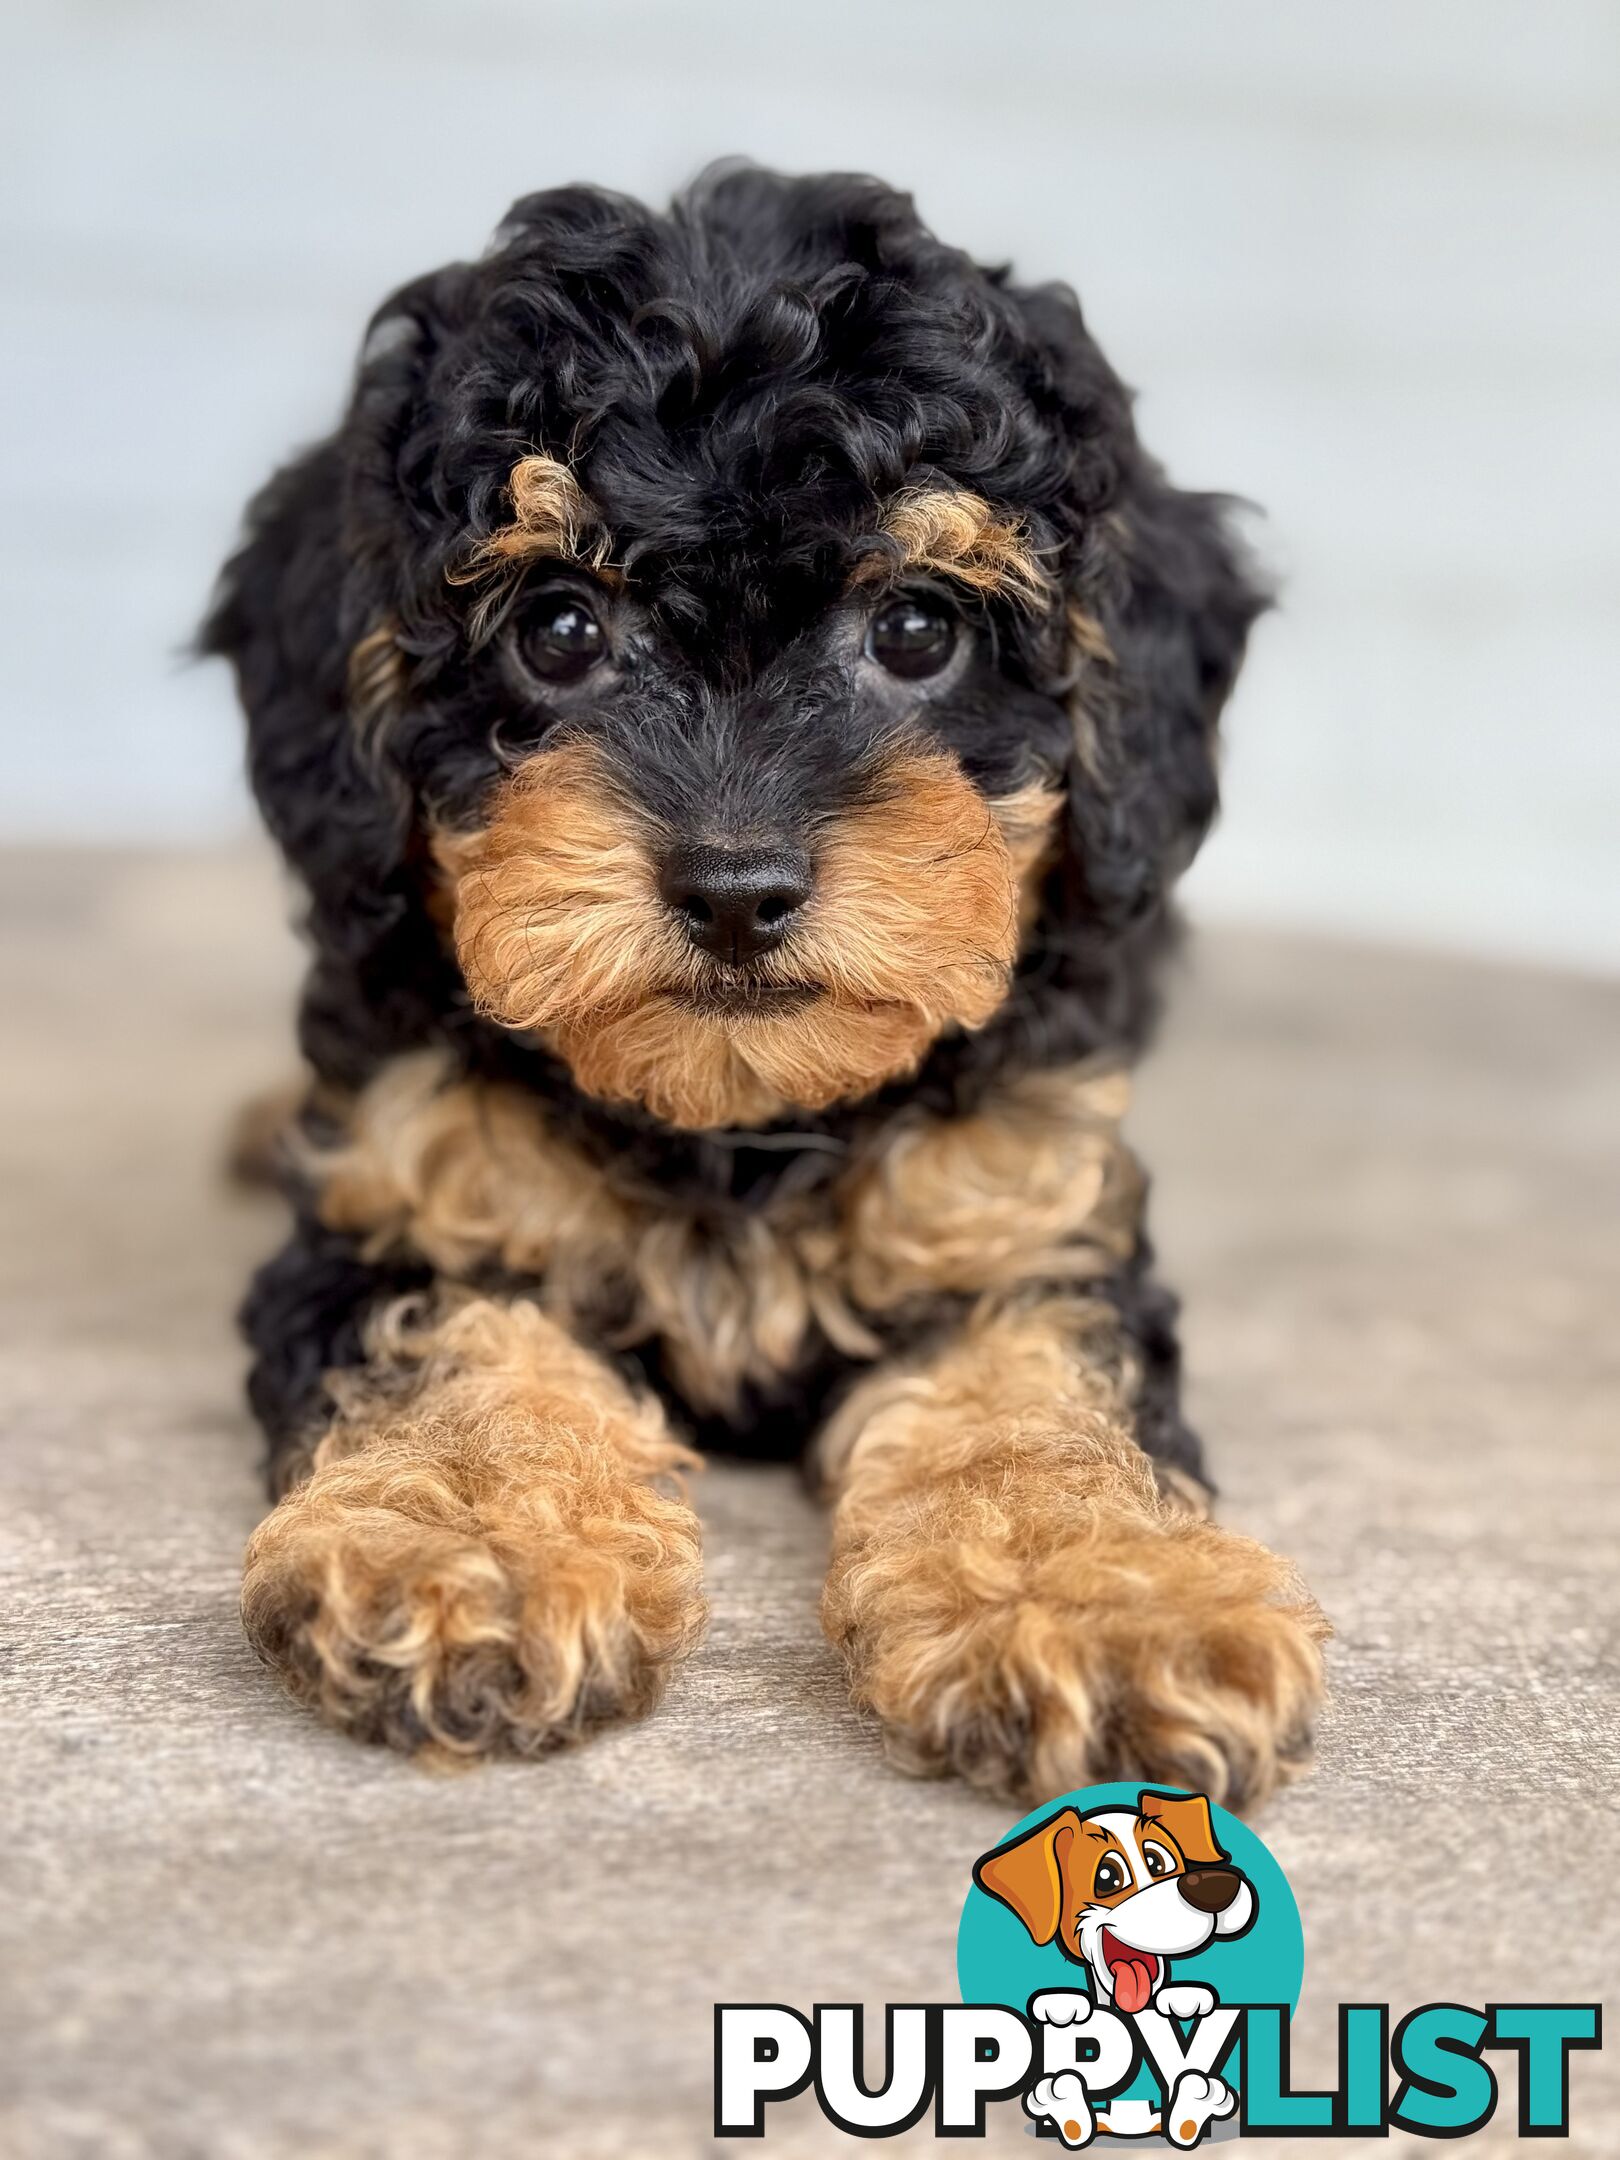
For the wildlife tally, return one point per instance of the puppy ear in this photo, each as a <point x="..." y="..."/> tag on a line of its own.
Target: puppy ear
<point x="1027" y="1874"/>
<point x="394" y="448"/>
<point x="1187" y="1818"/>
<point x="320" y="573"/>
<point x="1158" y="635"/>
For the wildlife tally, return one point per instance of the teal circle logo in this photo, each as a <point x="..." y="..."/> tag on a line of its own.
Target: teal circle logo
<point x="1144" y="1899"/>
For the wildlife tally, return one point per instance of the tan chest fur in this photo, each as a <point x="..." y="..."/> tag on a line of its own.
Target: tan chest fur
<point x="1035" y="1187"/>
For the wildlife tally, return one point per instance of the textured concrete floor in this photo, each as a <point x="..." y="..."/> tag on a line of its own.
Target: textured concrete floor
<point x="1390" y="1188"/>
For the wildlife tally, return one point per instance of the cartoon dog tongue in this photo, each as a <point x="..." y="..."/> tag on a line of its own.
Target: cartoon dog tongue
<point x="1133" y="1983"/>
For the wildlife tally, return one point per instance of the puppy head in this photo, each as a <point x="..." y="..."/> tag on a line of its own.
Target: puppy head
<point x="1122" y="1890"/>
<point x="765" y="646"/>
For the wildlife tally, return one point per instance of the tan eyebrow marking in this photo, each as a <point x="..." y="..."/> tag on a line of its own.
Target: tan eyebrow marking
<point x="552" y="519"/>
<point x="956" y="534"/>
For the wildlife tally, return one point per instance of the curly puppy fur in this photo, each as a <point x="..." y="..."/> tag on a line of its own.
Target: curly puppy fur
<point x="491" y="1553"/>
<point x="737" y="696"/>
<point x="1019" y="1602"/>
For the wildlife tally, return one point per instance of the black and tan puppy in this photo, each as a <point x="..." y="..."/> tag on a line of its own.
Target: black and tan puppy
<point x="736" y="695"/>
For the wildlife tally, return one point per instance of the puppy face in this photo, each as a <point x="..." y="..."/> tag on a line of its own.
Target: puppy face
<point x="1123" y="1890"/>
<point x="766" y="649"/>
<point x="728" y="897"/>
<point x="764" y="832"/>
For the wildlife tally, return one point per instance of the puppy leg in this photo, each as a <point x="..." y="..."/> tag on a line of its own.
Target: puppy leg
<point x="1019" y="1601"/>
<point x="490" y="1554"/>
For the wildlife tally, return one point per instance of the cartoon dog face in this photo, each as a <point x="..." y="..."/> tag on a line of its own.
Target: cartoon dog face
<point x="1123" y="1890"/>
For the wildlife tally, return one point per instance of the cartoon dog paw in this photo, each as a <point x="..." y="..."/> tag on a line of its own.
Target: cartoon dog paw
<point x="1066" y="2006"/>
<point x="1185" y="1999"/>
<point x="1062" y="2102"/>
<point x="1197" y="2101"/>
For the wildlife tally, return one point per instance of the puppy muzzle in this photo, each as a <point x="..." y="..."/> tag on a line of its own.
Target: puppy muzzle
<point x="730" y="980"/>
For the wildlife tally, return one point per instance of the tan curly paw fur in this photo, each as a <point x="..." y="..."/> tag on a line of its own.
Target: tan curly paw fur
<point x="1036" y="1617"/>
<point x="488" y="1570"/>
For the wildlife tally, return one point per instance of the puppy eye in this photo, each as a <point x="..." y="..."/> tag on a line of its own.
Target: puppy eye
<point x="912" y="637"/>
<point x="1158" y="1860"/>
<point x="562" y="639"/>
<point x="1110" y="1877"/>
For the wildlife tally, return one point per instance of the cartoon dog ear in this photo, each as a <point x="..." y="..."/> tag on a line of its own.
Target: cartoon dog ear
<point x="1026" y="1875"/>
<point x="1187" y="1818"/>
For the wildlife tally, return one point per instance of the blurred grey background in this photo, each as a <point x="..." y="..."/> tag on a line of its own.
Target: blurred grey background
<point x="1360" y="261"/>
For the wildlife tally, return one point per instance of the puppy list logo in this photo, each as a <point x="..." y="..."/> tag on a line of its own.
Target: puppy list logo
<point x="1129" y="1961"/>
<point x="1120" y="1891"/>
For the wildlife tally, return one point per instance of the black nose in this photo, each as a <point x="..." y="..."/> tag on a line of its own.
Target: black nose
<point x="1210" y="1890"/>
<point x="736" y="902"/>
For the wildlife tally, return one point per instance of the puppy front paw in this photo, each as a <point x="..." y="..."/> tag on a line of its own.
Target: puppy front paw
<point x="454" y="1599"/>
<point x="1035" y="1635"/>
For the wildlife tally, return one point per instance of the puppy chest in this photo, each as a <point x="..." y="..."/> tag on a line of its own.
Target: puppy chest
<point x="1033" y="1189"/>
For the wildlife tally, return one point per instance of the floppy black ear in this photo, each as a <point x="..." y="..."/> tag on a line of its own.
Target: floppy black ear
<point x="1159" y="639"/>
<point x="326" y="563"/>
